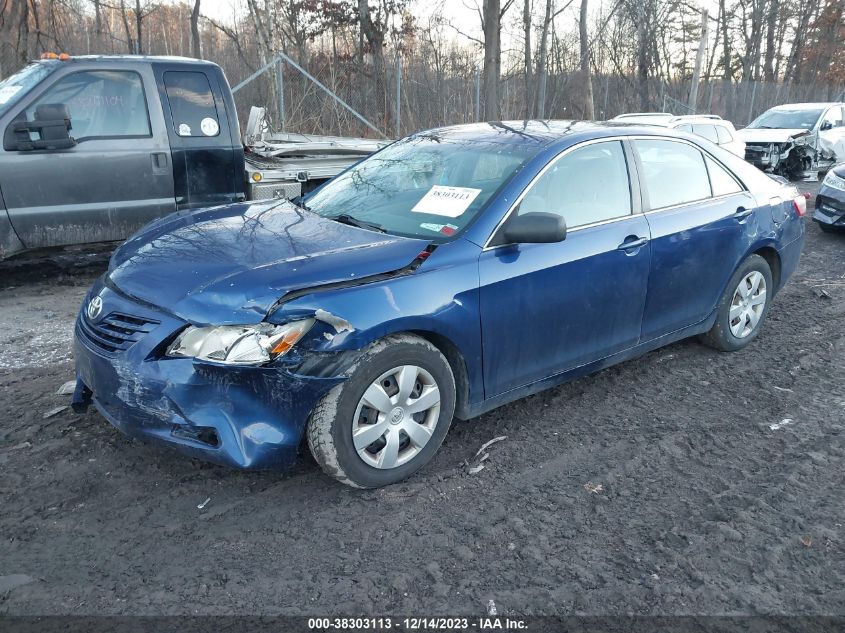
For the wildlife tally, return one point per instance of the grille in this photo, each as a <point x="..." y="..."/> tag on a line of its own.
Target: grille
<point x="116" y="332"/>
<point x="276" y="190"/>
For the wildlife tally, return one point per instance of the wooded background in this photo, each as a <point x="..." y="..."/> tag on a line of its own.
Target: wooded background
<point x="403" y="72"/>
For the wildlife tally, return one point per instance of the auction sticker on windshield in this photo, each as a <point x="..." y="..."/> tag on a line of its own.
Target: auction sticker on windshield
<point x="449" y="202"/>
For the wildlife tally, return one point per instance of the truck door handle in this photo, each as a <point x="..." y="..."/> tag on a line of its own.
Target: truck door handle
<point x="742" y="213"/>
<point x="159" y="160"/>
<point x="632" y="243"/>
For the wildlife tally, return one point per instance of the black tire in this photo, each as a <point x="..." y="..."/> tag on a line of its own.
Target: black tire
<point x="330" y="425"/>
<point x="720" y="335"/>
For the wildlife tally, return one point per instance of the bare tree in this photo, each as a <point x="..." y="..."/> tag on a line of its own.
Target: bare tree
<point x="589" y="110"/>
<point x="196" y="42"/>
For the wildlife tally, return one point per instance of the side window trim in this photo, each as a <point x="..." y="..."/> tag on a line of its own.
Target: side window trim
<point x="636" y="208"/>
<point x="82" y="139"/>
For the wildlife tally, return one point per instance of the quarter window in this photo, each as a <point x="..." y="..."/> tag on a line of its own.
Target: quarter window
<point x="587" y="185"/>
<point x="673" y="173"/>
<point x="707" y="131"/>
<point x="191" y="104"/>
<point x="721" y="181"/>
<point x="101" y="103"/>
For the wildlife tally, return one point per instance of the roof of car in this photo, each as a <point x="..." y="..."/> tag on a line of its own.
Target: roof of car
<point x="807" y="106"/>
<point x="135" y="58"/>
<point x="539" y="132"/>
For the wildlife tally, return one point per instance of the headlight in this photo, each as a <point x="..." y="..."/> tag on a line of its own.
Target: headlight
<point x="239" y="344"/>
<point x="834" y="181"/>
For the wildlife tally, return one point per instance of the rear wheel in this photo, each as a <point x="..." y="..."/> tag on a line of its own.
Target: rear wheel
<point x="743" y="306"/>
<point x="389" y="417"/>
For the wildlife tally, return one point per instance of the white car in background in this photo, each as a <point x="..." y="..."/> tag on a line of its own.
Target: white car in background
<point x="712" y="127"/>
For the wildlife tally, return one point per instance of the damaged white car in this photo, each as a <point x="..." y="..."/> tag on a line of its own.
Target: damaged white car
<point x="796" y="140"/>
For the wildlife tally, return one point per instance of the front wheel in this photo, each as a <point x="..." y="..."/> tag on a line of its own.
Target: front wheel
<point x="743" y="306"/>
<point x="388" y="418"/>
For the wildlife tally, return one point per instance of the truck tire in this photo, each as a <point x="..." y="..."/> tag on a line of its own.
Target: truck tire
<point x="387" y="420"/>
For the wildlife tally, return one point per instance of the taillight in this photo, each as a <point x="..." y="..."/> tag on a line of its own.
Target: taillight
<point x="800" y="204"/>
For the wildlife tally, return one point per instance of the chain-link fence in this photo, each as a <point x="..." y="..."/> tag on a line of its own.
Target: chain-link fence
<point x="412" y="94"/>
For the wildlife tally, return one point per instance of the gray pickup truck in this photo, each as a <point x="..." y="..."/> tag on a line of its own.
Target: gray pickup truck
<point x="95" y="147"/>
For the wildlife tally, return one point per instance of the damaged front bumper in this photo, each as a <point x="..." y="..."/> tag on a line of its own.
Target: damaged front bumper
<point x="244" y="417"/>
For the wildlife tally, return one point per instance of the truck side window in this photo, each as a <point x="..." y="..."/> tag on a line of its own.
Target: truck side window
<point x="724" y="134"/>
<point x="101" y="104"/>
<point x="191" y="104"/>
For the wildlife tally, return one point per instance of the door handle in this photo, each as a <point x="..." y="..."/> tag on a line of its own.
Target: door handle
<point x="628" y="245"/>
<point x="159" y="160"/>
<point x="742" y="213"/>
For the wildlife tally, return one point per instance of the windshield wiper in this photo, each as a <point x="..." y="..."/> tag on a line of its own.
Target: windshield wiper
<point x="298" y="202"/>
<point x="344" y="218"/>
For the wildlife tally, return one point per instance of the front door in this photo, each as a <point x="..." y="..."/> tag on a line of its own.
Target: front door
<point x="114" y="180"/>
<point x="546" y="308"/>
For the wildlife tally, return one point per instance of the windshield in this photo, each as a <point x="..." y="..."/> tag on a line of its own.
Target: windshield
<point x="787" y="119"/>
<point x="16" y="86"/>
<point x="422" y="186"/>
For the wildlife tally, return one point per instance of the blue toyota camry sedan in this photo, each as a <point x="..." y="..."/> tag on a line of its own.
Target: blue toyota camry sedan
<point x="454" y="271"/>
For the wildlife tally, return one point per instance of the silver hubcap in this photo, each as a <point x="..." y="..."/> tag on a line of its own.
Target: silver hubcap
<point x="747" y="304"/>
<point x="396" y="417"/>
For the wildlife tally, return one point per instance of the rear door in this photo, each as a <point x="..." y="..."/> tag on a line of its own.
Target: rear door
<point x="699" y="216"/>
<point x="207" y="155"/>
<point x="113" y="181"/>
<point x="546" y="308"/>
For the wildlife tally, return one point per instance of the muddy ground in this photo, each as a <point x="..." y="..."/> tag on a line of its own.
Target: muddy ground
<point x="686" y="482"/>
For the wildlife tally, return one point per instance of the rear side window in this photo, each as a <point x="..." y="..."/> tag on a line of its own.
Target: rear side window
<point x="101" y="103"/>
<point x="673" y="173"/>
<point x="686" y="127"/>
<point x="191" y="104"/>
<point x="724" y="134"/>
<point x="707" y="131"/>
<point x="721" y="181"/>
<point x="587" y="185"/>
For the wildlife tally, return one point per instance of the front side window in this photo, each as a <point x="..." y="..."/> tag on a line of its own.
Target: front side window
<point x="707" y="131"/>
<point x="673" y="173"/>
<point x="424" y="186"/>
<point x="587" y="185"/>
<point x="101" y="104"/>
<point x="191" y="104"/>
<point x="833" y="118"/>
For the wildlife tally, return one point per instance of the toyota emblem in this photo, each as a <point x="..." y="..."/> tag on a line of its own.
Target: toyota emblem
<point x="95" y="306"/>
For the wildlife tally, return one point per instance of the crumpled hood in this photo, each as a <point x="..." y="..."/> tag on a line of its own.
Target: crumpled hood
<point x="765" y="135"/>
<point x="229" y="265"/>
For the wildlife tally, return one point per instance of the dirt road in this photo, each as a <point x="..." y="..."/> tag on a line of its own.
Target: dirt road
<point x="685" y="482"/>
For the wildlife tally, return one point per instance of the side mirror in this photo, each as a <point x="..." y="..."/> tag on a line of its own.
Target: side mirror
<point x="534" y="228"/>
<point x="51" y="124"/>
<point x="827" y="125"/>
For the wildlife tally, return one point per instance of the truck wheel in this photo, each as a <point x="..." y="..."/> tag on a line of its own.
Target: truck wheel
<point x="389" y="417"/>
<point x="743" y="307"/>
